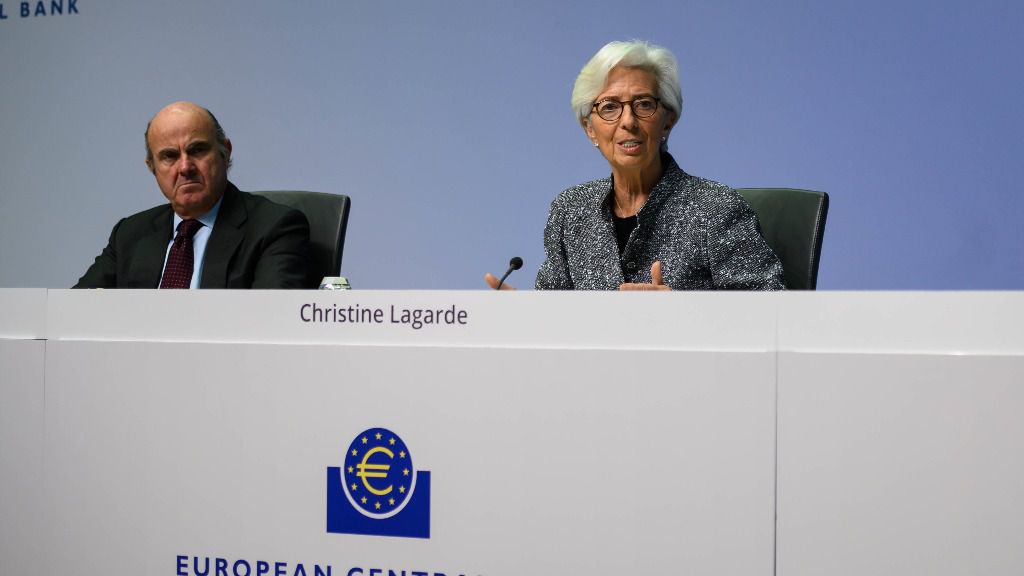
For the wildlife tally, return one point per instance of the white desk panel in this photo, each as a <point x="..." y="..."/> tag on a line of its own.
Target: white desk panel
<point x="897" y="422"/>
<point x="658" y="321"/>
<point x="900" y="464"/>
<point x="21" y="455"/>
<point x="543" y="461"/>
<point x="23" y="313"/>
<point x="902" y="322"/>
<point x="899" y="434"/>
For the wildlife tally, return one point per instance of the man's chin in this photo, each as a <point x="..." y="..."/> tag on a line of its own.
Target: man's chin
<point x="190" y="205"/>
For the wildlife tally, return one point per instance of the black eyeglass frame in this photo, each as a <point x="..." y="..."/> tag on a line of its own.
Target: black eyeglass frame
<point x="622" y="106"/>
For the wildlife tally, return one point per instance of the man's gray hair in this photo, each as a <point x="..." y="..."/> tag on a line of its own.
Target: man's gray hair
<point x="633" y="54"/>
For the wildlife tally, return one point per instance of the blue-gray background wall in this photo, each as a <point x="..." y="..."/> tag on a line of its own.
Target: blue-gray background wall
<point x="448" y="123"/>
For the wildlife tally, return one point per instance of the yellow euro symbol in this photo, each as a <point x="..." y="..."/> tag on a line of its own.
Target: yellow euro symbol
<point x="367" y="471"/>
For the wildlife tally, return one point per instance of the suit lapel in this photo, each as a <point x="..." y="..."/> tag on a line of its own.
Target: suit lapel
<point x="152" y="250"/>
<point x="224" y="241"/>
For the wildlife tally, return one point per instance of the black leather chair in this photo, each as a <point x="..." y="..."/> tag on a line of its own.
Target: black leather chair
<point x="328" y="220"/>
<point x="793" y="223"/>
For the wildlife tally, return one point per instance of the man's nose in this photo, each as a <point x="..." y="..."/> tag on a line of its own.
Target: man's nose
<point x="186" y="164"/>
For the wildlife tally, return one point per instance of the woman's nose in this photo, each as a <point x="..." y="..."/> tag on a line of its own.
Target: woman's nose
<point x="628" y="119"/>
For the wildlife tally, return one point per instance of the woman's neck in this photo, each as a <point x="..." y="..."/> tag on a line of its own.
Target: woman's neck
<point x="631" y="188"/>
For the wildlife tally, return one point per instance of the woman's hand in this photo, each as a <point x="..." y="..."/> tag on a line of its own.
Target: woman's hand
<point x="656" y="281"/>
<point x="492" y="281"/>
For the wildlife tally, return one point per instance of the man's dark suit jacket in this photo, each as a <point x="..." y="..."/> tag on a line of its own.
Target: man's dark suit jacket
<point x="255" y="243"/>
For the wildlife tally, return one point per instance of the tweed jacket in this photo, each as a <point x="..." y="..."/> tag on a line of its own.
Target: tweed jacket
<point x="703" y="232"/>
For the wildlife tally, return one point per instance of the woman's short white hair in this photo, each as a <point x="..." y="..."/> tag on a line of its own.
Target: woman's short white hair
<point x="633" y="54"/>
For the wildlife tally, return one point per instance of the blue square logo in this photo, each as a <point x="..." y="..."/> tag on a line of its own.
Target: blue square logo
<point x="378" y="492"/>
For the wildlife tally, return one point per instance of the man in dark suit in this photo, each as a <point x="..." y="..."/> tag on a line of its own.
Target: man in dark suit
<point x="210" y="235"/>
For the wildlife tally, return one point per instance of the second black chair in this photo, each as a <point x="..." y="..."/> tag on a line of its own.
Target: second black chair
<point x="328" y="221"/>
<point x="793" y="223"/>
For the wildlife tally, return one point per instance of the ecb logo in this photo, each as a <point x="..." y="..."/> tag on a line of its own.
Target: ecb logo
<point x="378" y="492"/>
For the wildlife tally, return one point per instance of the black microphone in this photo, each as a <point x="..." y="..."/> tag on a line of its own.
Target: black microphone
<point x="514" y="264"/>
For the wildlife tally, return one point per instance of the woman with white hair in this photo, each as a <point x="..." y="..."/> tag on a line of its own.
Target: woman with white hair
<point x="650" y="225"/>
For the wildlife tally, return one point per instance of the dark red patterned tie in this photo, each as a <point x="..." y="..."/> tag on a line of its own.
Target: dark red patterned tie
<point x="178" y="272"/>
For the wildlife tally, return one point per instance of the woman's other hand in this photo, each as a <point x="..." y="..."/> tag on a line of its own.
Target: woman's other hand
<point x="656" y="281"/>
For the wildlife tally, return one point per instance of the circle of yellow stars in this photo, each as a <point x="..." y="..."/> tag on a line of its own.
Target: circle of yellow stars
<point x="351" y="470"/>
